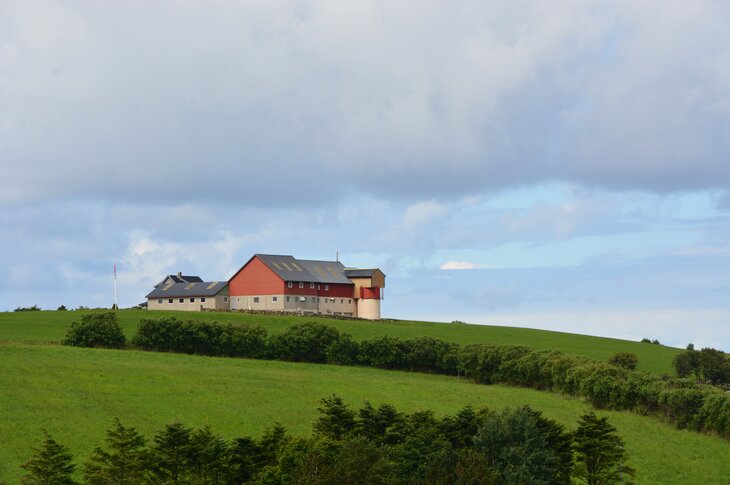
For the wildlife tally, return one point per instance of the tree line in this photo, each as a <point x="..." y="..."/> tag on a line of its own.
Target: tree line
<point x="682" y="401"/>
<point x="373" y="445"/>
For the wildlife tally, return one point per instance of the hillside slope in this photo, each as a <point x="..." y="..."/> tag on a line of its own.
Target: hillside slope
<point x="50" y="326"/>
<point x="75" y="393"/>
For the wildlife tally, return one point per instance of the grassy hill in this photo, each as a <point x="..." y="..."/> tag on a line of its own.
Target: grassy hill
<point x="75" y="393"/>
<point x="50" y="326"/>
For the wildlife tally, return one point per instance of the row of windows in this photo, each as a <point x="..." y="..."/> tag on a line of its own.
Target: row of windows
<point x="192" y="300"/>
<point x="257" y="299"/>
<point x="290" y="284"/>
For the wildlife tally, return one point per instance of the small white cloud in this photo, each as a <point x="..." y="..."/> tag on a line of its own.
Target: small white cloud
<point x="458" y="265"/>
<point x="423" y="212"/>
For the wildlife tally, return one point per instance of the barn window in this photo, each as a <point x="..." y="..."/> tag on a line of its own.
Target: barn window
<point x="225" y="299"/>
<point x="274" y="298"/>
<point x="202" y="300"/>
<point x="326" y="287"/>
<point x="169" y="301"/>
<point x="182" y="300"/>
<point x="255" y="299"/>
<point x="311" y="285"/>
<point x="159" y="301"/>
<point x="192" y="300"/>
<point x="349" y="302"/>
<point x="342" y="301"/>
<point x="289" y="284"/>
<point x="301" y="285"/>
<point x="288" y="298"/>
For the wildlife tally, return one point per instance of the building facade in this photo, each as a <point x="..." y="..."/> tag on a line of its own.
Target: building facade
<point x="188" y="293"/>
<point x="278" y="283"/>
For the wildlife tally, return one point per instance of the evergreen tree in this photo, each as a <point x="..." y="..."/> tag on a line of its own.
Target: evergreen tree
<point x="125" y="461"/>
<point x="52" y="464"/>
<point x="209" y="457"/>
<point x="171" y="454"/>
<point x="337" y="420"/>
<point x="247" y="459"/>
<point x="599" y="452"/>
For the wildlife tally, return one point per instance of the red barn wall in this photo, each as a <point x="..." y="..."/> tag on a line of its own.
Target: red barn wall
<point x="257" y="279"/>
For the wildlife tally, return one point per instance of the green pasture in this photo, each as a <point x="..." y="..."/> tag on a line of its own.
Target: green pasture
<point x="75" y="393"/>
<point x="50" y="326"/>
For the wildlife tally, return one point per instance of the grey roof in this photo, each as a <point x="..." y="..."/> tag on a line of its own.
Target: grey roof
<point x="180" y="290"/>
<point x="289" y="268"/>
<point x="181" y="279"/>
<point x="360" y="272"/>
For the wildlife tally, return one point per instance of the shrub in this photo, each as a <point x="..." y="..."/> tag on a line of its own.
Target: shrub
<point x="343" y="351"/>
<point x="34" y="308"/>
<point x="96" y="330"/>
<point x="62" y="308"/>
<point x="306" y="342"/>
<point x="625" y="360"/>
<point x="383" y="352"/>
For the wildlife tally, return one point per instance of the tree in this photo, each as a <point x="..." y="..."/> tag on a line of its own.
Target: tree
<point x="714" y="366"/>
<point x="125" y="461"/>
<point x="625" y="360"/>
<point x="337" y="420"/>
<point x="96" y="330"/>
<point x="52" y="464"/>
<point x="171" y="453"/>
<point x="599" y="452"/>
<point x="522" y="446"/>
<point x="209" y="457"/>
<point x="305" y="342"/>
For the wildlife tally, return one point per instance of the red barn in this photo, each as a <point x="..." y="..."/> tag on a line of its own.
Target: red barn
<point x="283" y="283"/>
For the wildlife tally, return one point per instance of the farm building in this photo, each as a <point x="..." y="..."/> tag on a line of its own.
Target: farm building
<point x="283" y="283"/>
<point x="278" y="283"/>
<point x="191" y="293"/>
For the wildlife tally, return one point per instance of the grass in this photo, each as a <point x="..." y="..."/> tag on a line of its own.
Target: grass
<point x="75" y="393"/>
<point x="50" y="326"/>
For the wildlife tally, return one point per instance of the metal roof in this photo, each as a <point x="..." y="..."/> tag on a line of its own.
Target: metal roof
<point x="180" y="290"/>
<point x="289" y="268"/>
<point x="360" y="272"/>
<point x="180" y="279"/>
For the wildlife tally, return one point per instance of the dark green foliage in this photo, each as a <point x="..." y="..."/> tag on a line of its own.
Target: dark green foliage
<point x="714" y="366"/>
<point x="337" y="420"/>
<point x="426" y="354"/>
<point x="383" y="352"/>
<point x="374" y="446"/>
<point x="379" y="425"/>
<point x="34" y="308"/>
<point x="171" y="451"/>
<point x="686" y="363"/>
<point x="96" y="330"/>
<point x="343" y="351"/>
<point x="599" y="452"/>
<point x="645" y="341"/>
<point x="521" y="446"/>
<point x="209" y="457"/>
<point x="200" y="337"/>
<point x="306" y="342"/>
<point x="62" y="308"/>
<point x="123" y="462"/>
<point x="51" y="464"/>
<point x="625" y="360"/>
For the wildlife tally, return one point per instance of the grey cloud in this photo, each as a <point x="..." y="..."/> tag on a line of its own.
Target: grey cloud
<point x="296" y="104"/>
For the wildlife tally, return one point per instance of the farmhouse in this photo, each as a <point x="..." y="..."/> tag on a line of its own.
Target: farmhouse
<point x="191" y="293"/>
<point x="283" y="283"/>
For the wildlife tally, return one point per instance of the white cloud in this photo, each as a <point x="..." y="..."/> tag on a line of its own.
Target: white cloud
<point x="458" y="265"/>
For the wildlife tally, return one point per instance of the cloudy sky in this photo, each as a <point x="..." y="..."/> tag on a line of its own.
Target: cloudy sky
<point x="552" y="165"/>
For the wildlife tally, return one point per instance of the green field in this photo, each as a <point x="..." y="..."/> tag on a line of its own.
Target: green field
<point x="74" y="393"/>
<point x="50" y="326"/>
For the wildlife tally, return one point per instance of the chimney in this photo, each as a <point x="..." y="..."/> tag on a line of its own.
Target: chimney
<point x="179" y="274"/>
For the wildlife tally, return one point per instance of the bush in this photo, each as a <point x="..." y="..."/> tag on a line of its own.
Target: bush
<point x="305" y="342"/>
<point x="203" y="338"/>
<point x="383" y="352"/>
<point x="96" y="330"/>
<point x="62" y="308"/>
<point x="34" y="308"/>
<point x="625" y="360"/>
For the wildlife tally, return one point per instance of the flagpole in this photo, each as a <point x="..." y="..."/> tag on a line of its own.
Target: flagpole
<point x="116" y="307"/>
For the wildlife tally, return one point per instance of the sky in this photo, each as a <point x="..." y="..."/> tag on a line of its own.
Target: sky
<point x="563" y="166"/>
